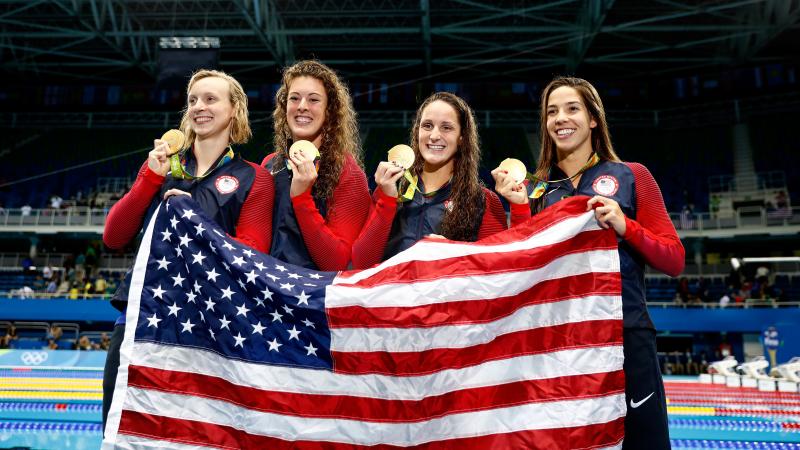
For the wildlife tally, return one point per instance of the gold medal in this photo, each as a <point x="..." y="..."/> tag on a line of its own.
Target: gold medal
<point x="402" y="155"/>
<point x="175" y="139"/>
<point x="304" y="150"/>
<point x="515" y="168"/>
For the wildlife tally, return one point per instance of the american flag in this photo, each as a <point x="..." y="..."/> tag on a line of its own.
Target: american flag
<point x="511" y="342"/>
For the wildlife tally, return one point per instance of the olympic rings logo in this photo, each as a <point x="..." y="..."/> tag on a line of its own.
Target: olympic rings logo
<point x="33" y="358"/>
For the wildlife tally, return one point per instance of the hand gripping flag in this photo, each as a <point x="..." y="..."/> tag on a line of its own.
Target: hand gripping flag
<point x="511" y="342"/>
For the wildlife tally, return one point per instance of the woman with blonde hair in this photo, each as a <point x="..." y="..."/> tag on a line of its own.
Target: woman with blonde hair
<point x="577" y="158"/>
<point x="320" y="205"/>
<point x="445" y="197"/>
<point x="235" y="193"/>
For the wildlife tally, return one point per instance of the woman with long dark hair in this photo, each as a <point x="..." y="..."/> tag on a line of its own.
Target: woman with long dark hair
<point x="444" y="195"/>
<point x="577" y="158"/>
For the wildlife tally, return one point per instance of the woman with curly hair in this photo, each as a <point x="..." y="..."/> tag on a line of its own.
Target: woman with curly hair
<point x="577" y="158"/>
<point x="448" y="198"/>
<point x="319" y="210"/>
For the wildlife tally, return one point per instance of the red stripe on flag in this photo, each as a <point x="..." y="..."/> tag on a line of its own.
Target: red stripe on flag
<point x="489" y="263"/>
<point x="527" y="342"/>
<point x="341" y="406"/>
<point x="481" y="311"/>
<point x="200" y="433"/>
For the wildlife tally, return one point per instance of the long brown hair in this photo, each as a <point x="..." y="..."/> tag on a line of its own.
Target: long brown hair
<point x="339" y="132"/>
<point x="600" y="137"/>
<point x="460" y="222"/>
<point x="240" y="124"/>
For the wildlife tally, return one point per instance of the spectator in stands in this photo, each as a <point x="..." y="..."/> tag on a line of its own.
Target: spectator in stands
<point x="53" y="335"/>
<point x="311" y="229"/>
<point x="27" y="265"/>
<point x="446" y="176"/>
<point x="56" y="201"/>
<point x="100" y="285"/>
<point x="26" y="210"/>
<point x="88" y="288"/>
<point x="74" y="291"/>
<point x="47" y="272"/>
<point x="683" y="293"/>
<point x="10" y="337"/>
<point x="38" y="284"/>
<point x="51" y="287"/>
<point x="84" y="343"/>
<point x="105" y="342"/>
<point x="215" y="118"/>
<point x="63" y="288"/>
<point x="725" y="300"/>
<point x="577" y="157"/>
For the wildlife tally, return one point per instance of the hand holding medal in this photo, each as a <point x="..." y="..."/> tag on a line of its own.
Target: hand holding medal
<point x="509" y="177"/>
<point x="303" y="161"/>
<point x="400" y="159"/>
<point x="388" y="173"/>
<point x="165" y="149"/>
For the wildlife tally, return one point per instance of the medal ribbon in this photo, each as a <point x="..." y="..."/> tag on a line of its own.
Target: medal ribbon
<point x="413" y="182"/>
<point x="541" y="185"/>
<point x="177" y="164"/>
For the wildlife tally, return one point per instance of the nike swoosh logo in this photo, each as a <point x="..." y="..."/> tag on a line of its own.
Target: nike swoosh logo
<point x="635" y="405"/>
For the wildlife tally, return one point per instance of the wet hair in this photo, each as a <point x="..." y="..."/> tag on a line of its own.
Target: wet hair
<point x="462" y="220"/>
<point x="240" y="123"/>
<point x="339" y="132"/>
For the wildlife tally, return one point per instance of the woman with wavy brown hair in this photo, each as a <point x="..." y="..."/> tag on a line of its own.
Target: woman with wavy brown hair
<point x="320" y="206"/>
<point x="444" y="195"/>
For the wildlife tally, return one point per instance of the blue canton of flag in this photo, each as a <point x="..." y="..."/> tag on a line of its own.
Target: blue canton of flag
<point x="204" y="289"/>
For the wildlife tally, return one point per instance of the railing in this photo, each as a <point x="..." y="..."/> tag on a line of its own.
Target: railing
<point x="107" y="262"/>
<point x="48" y="217"/>
<point x="113" y="184"/>
<point x="747" y="304"/>
<point x="775" y="179"/>
<point x="741" y="218"/>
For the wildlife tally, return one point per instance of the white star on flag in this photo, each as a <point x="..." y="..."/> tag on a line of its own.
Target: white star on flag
<point x="212" y="274"/>
<point x="228" y="293"/>
<point x="163" y="263"/>
<point x="158" y="292"/>
<point x="173" y="310"/>
<point x="258" y="328"/>
<point x="302" y="299"/>
<point x="310" y="349"/>
<point x="185" y="240"/>
<point x="153" y="321"/>
<point x="274" y="345"/>
<point x="177" y="280"/>
<point x="187" y="326"/>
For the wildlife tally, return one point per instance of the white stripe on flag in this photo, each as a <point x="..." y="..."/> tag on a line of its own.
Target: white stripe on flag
<point x="595" y="307"/>
<point x="129" y="442"/>
<point x="475" y="287"/>
<point x="535" y="416"/>
<point x="310" y="381"/>
<point x="432" y="250"/>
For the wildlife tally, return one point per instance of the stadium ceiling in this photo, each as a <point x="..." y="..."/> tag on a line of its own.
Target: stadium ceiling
<point x="388" y="40"/>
